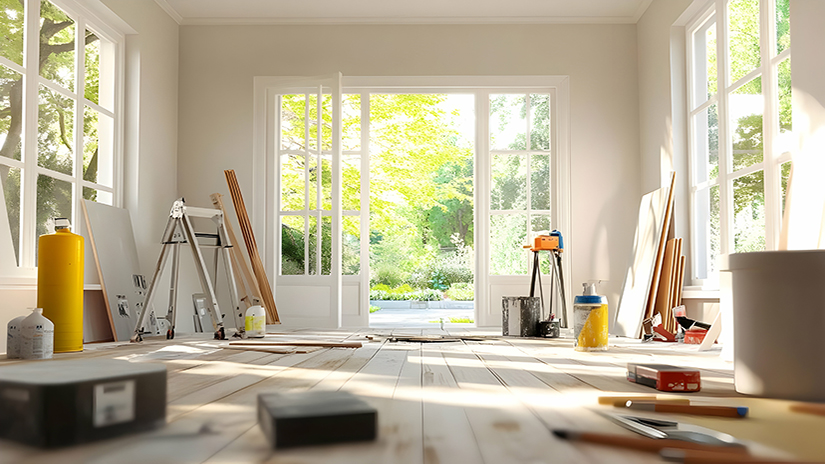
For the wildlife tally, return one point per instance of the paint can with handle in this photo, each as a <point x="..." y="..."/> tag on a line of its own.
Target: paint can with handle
<point x="590" y="320"/>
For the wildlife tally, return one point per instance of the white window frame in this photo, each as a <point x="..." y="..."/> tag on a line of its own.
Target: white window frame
<point x="85" y="18"/>
<point x="716" y="10"/>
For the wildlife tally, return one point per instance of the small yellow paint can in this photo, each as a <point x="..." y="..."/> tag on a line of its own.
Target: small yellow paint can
<point x="60" y="285"/>
<point x="590" y="320"/>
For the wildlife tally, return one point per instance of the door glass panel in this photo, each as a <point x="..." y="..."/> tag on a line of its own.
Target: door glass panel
<point x="11" y="126"/>
<point x="509" y="183"/>
<point x="743" y="37"/>
<point x="351" y="130"/>
<point x="351" y="240"/>
<point x="10" y="183"/>
<point x="326" y="245"/>
<point x="508" y="122"/>
<point x="313" y="182"/>
<point x="749" y="213"/>
<point x="326" y="122"/>
<point x="540" y="122"/>
<point x="292" y="182"/>
<point x="746" y="108"/>
<point x="351" y="185"/>
<point x="98" y="134"/>
<point x="292" y="245"/>
<point x="57" y="51"/>
<point x="786" y="140"/>
<point x="326" y="182"/>
<point x="55" y="135"/>
<point x="312" y="240"/>
<point x="11" y="16"/>
<point x="508" y="235"/>
<point x="312" y="142"/>
<point x="540" y="182"/>
<point x="293" y="135"/>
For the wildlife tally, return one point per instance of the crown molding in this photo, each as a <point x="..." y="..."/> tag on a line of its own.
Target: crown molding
<point x="412" y="20"/>
<point x="170" y="11"/>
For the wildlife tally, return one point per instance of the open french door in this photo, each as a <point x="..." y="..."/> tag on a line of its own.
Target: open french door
<point x="304" y="205"/>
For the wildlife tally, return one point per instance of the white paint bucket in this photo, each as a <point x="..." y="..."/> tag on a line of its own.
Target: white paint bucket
<point x="779" y="322"/>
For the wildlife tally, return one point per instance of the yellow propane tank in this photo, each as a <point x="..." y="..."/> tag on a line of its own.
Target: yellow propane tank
<point x="60" y="285"/>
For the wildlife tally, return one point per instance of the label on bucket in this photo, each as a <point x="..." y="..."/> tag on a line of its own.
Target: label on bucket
<point x="590" y="327"/>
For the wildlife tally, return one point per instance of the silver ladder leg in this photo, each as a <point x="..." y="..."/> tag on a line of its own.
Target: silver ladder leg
<point x="171" y="311"/>
<point x="230" y="277"/>
<point x="150" y="292"/>
<point x="206" y="283"/>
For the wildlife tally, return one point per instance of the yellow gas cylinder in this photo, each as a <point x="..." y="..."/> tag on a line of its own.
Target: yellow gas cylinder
<point x="60" y="285"/>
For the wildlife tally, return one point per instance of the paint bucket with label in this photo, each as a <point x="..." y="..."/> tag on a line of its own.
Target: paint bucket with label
<point x="590" y="320"/>
<point x="255" y="322"/>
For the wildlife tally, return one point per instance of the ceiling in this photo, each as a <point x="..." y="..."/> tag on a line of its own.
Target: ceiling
<point x="191" y="12"/>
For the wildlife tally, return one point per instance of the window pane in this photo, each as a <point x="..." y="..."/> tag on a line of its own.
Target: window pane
<point x="704" y="63"/>
<point x="11" y="121"/>
<point x="508" y="122"/>
<point x="540" y="182"/>
<point x="786" y="140"/>
<point x="746" y="107"/>
<point x="292" y="182"/>
<point x="743" y="37"/>
<point x="706" y="144"/>
<point x="54" y="200"/>
<point x="509" y="185"/>
<point x="10" y="183"/>
<point x="351" y="133"/>
<point x="351" y="185"/>
<point x="55" y="131"/>
<point x="708" y="232"/>
<point x="783" y="25"/>
<point x="92" y="69"/>
<point x="57" y="50"/>
<point x="785" y="172"/>
<point x="540" y="122"/>
<point x="100" y="196"/>
<point x="326" y="245"/>
<point x="508" y="234"/>
<point x="292" y="245"/>
<point x="292" y="122"/>
<point x="326" y="122"/>
<point x="540" y="225"/>
<point x="97" y="147"/>
<point x="11" y="16"/>
<point x="749" y="213"/>
<point x="351" y="240"/>
<point x="313" y="181"/>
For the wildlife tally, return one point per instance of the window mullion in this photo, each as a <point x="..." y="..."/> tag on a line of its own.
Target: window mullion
<point x="28" y="179"/>
<point x="725" y="187"/>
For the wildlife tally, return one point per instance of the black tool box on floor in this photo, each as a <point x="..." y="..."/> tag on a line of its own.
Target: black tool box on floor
<point x="51" y="404"/>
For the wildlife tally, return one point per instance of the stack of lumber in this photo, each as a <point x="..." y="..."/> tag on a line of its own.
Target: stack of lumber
<point x="252" y="248"/>
<point x="668" y="275"/>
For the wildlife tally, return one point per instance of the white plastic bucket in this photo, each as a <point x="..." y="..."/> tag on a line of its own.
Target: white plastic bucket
<point x="779" y="323"/>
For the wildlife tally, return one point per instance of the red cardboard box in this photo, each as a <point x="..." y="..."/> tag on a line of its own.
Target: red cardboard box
<point x="664" y="377"/>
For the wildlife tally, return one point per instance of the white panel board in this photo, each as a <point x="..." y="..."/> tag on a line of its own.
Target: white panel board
<point x="351" y="305"/>
<point x="113" y="245"/>
<point x="636" y="286"/>
<point x="305" y="306"/>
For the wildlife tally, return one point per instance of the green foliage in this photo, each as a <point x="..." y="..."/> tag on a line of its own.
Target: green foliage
<point x="374" y="309"/>
<point x="461" y="320"/>
<point x="460" y="291"/>
<point x="426" y="294"/>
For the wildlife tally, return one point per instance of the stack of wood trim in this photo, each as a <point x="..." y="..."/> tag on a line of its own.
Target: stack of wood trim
<point x="668" y="275"/>
<point x="247" y="284"/>
<point x="252" y="248"/>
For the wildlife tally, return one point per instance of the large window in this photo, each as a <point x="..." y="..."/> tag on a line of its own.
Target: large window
<point x="739" y="62"/>
<point x="58" y="117"/>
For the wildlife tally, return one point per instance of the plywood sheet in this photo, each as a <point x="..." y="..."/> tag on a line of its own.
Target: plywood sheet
<point x="637" y="282"/>
<point x="113" y="246"/>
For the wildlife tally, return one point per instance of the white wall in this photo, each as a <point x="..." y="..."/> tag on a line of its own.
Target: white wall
<point x="218" y="63"/>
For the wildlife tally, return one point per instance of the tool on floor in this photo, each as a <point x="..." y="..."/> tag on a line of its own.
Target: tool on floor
<point x="590" y="319"/>
<point x="553" y="243"/>
<point x="179" y="231"/>
<point x="693" y="409"/>
<point x="613" y="400"/>
<point x="656" y="428"/>
<point x="50" y="404"/>
<point x="315" y="418"/>
<point x="643" y="444"/>
<point x="664" y="377"/>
